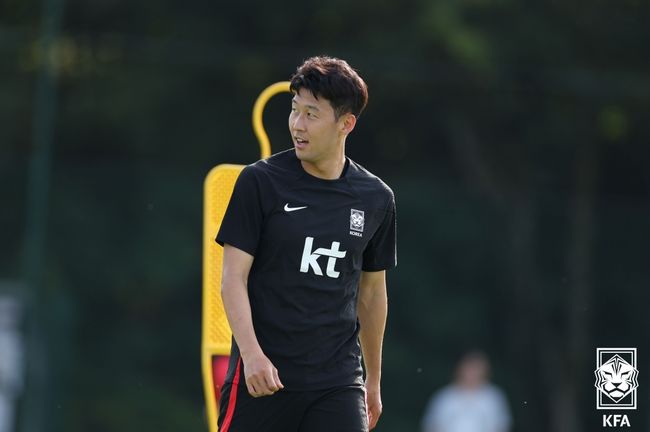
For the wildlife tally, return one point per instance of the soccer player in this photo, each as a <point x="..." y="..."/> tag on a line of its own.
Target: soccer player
<point x="307" y="237"/>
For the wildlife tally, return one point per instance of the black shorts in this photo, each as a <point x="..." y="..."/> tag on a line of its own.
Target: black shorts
<point x="340" y="409"/>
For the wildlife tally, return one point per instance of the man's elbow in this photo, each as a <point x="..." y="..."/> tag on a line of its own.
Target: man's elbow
<point x="230" y="284"/>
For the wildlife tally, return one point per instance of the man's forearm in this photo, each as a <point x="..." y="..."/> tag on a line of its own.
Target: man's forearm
<point x="261" y="376"/>
<point x="372" y="312"/>
<point x="234" y="294"/>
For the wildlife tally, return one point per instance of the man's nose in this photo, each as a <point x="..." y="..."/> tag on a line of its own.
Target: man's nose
<point x="298" y="122"/>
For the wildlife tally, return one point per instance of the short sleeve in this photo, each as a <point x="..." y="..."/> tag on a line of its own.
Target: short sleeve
<point x="381" y="252"/>
<point x="242" y="223"/>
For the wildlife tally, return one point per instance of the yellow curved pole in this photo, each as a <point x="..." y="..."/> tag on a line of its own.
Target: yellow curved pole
<point x="258" y="109"/>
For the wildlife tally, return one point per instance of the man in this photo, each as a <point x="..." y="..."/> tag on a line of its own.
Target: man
<point x="308" y="236"/>
<point x="471" y="403"/>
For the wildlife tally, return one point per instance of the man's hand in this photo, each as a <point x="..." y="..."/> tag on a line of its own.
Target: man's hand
<point x="261" y="376"/>
<point x="373" y="404"/>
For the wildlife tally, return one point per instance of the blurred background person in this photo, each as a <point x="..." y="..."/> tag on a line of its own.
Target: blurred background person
<point x="11" y="361"/>
<point x="470" y="403"/>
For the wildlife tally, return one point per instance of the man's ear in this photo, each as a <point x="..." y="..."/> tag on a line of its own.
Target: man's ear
<point x="347" y="123"/>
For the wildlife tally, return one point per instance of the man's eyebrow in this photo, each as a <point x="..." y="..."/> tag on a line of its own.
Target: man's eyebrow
<point x="311" y="107"/>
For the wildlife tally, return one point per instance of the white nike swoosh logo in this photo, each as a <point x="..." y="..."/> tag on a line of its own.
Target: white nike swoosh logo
<point x="290" y="209"/>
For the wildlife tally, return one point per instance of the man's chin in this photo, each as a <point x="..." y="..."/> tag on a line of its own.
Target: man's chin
<point x="302" y="154"/>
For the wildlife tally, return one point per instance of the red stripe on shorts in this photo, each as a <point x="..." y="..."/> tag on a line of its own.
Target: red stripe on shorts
<point x="232" y="400"/>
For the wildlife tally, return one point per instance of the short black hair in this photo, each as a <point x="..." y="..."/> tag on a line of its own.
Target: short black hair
<point x="335" y="80"/>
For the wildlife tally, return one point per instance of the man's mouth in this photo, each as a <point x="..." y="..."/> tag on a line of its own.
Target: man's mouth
<point x="300" y="142"/>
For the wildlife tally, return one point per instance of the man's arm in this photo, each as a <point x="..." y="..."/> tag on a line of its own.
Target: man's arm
<point x="372" y="308"/>
<point x="261" y="376"/>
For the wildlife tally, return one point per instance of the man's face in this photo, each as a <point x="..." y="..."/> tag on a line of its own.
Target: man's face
<point x="314" y="128"/>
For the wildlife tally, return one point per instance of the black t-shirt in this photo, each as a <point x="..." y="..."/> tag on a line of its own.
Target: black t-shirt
<point x="310" y="239"/>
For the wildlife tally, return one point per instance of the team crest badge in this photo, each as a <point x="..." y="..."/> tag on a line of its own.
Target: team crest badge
<point x="616" y="378"/>
<point x="357" y="220"/>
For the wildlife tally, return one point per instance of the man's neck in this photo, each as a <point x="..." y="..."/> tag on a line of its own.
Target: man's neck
<point x="326" y="170"/>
